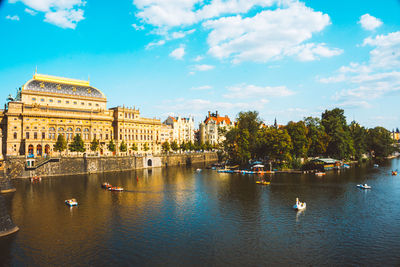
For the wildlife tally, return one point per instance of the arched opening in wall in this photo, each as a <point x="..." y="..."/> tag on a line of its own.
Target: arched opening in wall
<point x="149" y="163"/>
<point x="47" y="149"/>
<point x="30" y="150"/>
<point x="39" y="150"/>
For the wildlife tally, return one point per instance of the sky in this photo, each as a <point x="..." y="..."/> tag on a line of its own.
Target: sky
<point x="285" y="59"/>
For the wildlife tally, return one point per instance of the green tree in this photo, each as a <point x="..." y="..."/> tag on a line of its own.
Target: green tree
<point x="317" y="137"/>
<point x="77" y="144"/>
<point x="111" y="146"/>
<point x="276" y="144"/>
<point x="174" y="146"/>
<point x="61" y="143"/>
<point x="190" y="146"/>
<point x="94" y="145"/>
<point x="298" y="134"/>
<point x="123" y="147"/>
<point x="208" y="146"/>
<point x="359" y="136"/>
<point x="134" y="147"/>
<point x="146" y="147"/>
<point x="183" y="146"/>
<point x="165" y="147"/>
<point x="340" y="143"/>
<point x="379" y="142"/>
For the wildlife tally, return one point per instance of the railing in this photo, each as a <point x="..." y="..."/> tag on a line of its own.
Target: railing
<point x="40" y="162"/>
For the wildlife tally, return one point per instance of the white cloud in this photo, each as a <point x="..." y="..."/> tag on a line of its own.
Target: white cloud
<point x="204" y="67"/>
<point x="138" y="27"/>
<point x="386" y="53"/>
<point x="181" y="34"/>
<point x="62" y="13"/>
<point x="269" y="35"/>
<point x="369" y="22"/>
<point x="152" y="44"/>
<point x="65" y="18"/>
<point x="252" y="91"/>
<point x="204" y="87"/>
<point x="15" y="17"/>
<point x="172" y="13"/>
<point x="30" y="11"/>
<point x="198" y="58"/>
<point x="379" y="77"/>
<point x="178" y="53"/>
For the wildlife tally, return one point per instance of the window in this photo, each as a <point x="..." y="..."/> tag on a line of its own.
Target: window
<point x="27" y="135"/>
<point x="51" y="100"/>
<point x="90" y="104"/>
<point x="15" y="135"/>
<point x="42" y="99"/>
<point x="43" y="135"/>
<point x="82" y="103"/>
<point x="52" y="129"/>
<point x="75" y="102"/>
<point x="58" y="101"/>
<point x="67" y="102"/>
<point x="35" y="135"/>
<point x="97" y="105"/>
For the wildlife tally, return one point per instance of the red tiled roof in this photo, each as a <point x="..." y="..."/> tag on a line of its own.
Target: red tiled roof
<point x="218" y="119"/>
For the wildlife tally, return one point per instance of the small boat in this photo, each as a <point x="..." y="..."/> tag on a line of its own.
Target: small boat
<point x="299" y="205"/>
<point x="346" y="166"/>
<point x="115" y="188"/>
<point x="36" y="179"/>
<point x="106" y="185"/>
<point x="198" y="170"/>
<point x="71" y="202"/>
<point x="364" y="186"/>
<point x="320" y="173"/>
<point x="376" y="165"/>
<point x="394" y="173"/>
<point x="263" y="182"/>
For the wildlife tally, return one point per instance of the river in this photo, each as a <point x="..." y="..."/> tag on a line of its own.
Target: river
<point x="177" y="216"/>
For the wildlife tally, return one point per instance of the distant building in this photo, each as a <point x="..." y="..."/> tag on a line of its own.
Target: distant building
<point x="182" y="129"/>
<point x="210" y="129"/>
<point x="396" y="135"/>
<point x="166" y="133"/>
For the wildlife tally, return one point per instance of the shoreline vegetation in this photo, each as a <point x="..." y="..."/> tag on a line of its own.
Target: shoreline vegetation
<point x="294" y="146"/>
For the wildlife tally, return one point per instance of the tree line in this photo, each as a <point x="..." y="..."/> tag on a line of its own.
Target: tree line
<point x="328" y="136"/>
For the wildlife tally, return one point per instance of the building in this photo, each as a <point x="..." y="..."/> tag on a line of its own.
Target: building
<point x="211" y="130"/>
<point x="166" y="133"/>
<point x="396" y="135"/>
<point x="133" y="129"/>
<point x="182" y="129"/>
<point x="48" y="106"/>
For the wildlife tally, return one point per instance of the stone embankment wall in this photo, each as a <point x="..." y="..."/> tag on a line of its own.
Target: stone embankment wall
<point x="15" y="166"/>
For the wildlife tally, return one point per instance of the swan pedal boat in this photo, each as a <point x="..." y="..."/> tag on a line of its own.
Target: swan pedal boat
<point x="299" y="205"/>
<point x="394" y="173"/>
<point x="71" y="202"/>
<point x="320" y="173"/>
<point x="263" y="182"/>
<point x="364" y="186"/>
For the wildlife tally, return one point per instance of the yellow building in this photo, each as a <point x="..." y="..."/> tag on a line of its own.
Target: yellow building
<point x="48" y="106"/>
<point x="133" y="129"/>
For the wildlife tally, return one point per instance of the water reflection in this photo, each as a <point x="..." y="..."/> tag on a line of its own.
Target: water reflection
<point x="177" y="216"/>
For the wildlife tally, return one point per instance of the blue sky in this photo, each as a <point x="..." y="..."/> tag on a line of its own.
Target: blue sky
<point x="286" y="59"/>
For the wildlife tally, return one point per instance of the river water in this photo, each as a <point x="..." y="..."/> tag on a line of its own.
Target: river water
<point x="177" y="216"/>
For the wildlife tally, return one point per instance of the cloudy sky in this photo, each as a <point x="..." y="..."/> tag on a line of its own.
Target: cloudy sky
<point x="286" y="59"/>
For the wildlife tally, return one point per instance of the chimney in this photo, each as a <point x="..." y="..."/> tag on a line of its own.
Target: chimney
<point x="209" y="114"/>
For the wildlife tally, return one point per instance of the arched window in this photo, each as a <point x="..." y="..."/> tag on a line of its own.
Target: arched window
<point x="77" y="129"/>
<point x="15" y="135"/>
<point x="39" y="150"/>
<point x="69" y="129"/>
<point x="52" y="129"/>
<point x="61" y="129"/>
<point x="86" y="130"/>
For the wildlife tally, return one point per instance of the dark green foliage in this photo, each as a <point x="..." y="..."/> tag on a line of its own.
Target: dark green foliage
<point x="166" y="147"/>
<point x="61" y="143"/>
<point x="298" y="134"/>
<point x="379" y="142"/>
<point x="123" y="147"/>
<point x="111" y="146"/>
<point x="174" y="146"/>
<point x="94" y="145"/>
<point x="77" y="144"/>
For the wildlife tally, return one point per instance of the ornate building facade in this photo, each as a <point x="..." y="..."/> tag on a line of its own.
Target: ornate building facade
<point x="182" y="129"/>
<point x="48" y="106"/>
<point x="210" y="129"/>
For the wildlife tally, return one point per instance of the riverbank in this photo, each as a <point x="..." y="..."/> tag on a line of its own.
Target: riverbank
<point x="16" y="167"/>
